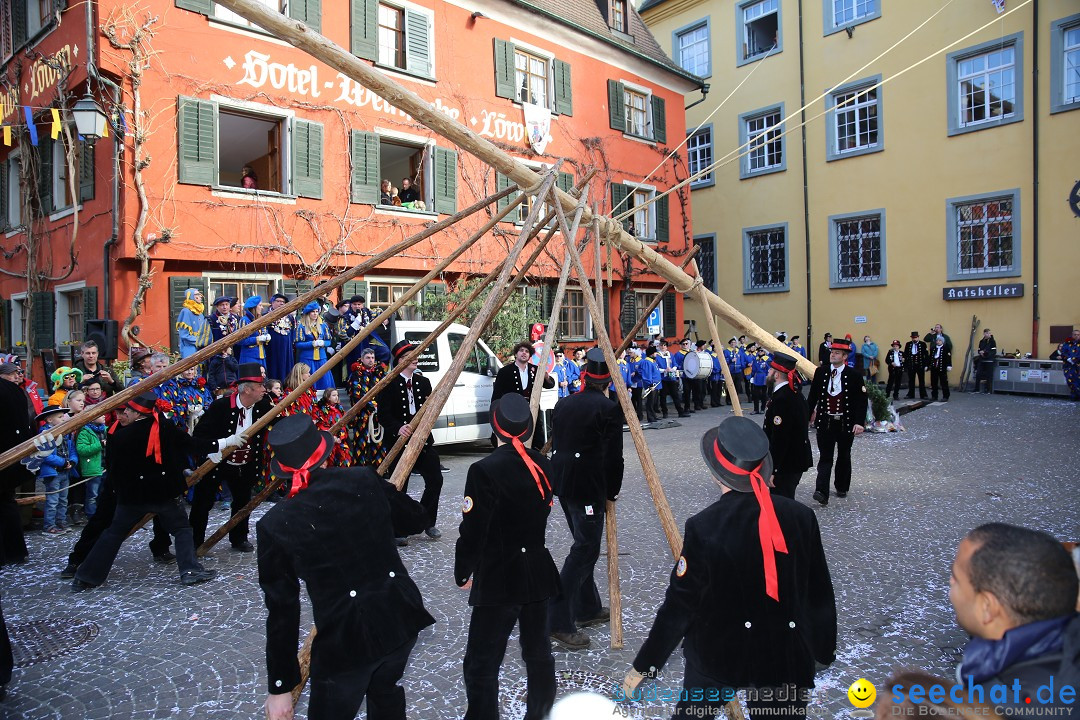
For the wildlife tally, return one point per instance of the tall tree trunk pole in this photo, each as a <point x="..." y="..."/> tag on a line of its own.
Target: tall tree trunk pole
<point x="699" y="289"/>
<point x="653" y="305"/>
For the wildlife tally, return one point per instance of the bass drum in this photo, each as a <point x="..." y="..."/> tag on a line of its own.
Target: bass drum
<point x="698" y="365"/>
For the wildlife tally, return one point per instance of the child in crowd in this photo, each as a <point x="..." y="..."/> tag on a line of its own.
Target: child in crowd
<point x="64" y="380"/>
<point x="56" y="472"/>
<point x="274" y="390"/>
<point x="90" y="447"/>
<point x="327" y="413"/>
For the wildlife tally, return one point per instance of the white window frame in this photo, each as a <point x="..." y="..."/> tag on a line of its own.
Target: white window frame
<point x="228" y="17"/>
<point x="406" y="8"/>
<point x="742" y="44"/>
<point x="829" y="14"/>
<point x="540" y="53"/>
<point x="18" y="317"/>
<point x="708" y="180"/>
<point x="640" y="90"/>
<point x="1060" y="52"/>
<point x="62" y="331"/>
<point x="860" y="104"/>
<point x="746" y="140"/>
<point x="956" y="124"/>
<point x="704" y="24"/>
<point x="952" y="206"/>
<point x="649" y="209"/>
<point x="427" y="144"/>
<point x="587" y="319"/>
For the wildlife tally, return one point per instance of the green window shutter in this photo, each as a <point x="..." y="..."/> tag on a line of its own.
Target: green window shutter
<point x="5" y="326"/>
<point x="501" y="183"/>
<point x="670" y="328"/>
<point x="89" y="305"/>
<point x="204" y="7"/>
<point x="548" y="301"/>
<point x="364" y="147"/>
<point x="86" y="171"/>
<point x="621" y="201"/>
<point x="4" y="206"/>
<point x="177" y="287"/>
<point x="364" y="33"/>
<point x="307" y="159"/>
<point x="659" y="120"/>
<point x="504" y="69"/>
<point x="662" y="219"/>
<point x="616" y="105"/>
<point x="417" y="43"/>
<point x="354" y="287"/>
<point x="535" y="296"/>
<point x="607" y="309"/>
<point x="45" y="174"/>
<point x="565" y="181"/>
<point x="44" y="320"/>
<point x="445" y="181"/>
<point x="18" y="23"/>
<point x="308" y="12"/>
<point x="296" y="288"/>
<point x="564" y="95"/>
<point x="627" y="311"/>
<point x="197" y="132"/>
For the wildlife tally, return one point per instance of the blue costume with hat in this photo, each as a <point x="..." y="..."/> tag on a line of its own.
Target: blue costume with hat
<point x="253" y="347"/>
<point x="280" y="352"/>
<point x="313" y="345"/>
<point x="191" y="327"/>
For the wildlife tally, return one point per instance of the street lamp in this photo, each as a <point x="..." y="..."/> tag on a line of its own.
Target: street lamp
<point x="89" y="119"/>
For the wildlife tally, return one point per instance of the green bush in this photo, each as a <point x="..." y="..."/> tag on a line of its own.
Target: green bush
<point x="509" y="326"/>
<point x="879" y="401"/>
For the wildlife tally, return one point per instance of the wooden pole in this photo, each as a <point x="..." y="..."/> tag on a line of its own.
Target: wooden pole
<point x="699" y="289"/>
<point x="300" y="35"/>
<point x="304" y="658"/>
<point x="115" y="402"/>
<point x="653" y="305"/>
<point x="438" y="398"/>
<point x="614" y="598"/>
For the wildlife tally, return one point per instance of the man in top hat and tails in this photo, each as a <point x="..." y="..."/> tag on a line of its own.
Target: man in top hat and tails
<point x="750" y="596"/>
<point x="502" y="557"/>
<point x="894" y="361"/>
<point x="336" y="533"/>
<point x="916" y="360"/>
<point x="145" y="462"/>
<point x="587" y="460"/>
<point x="787" y="424"/>
<point x="398" y="403"/>
<point x="233" y="415"/>
<point x="838" y="410"/>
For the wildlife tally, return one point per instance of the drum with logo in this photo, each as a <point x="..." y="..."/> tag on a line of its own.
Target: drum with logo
<point x="698" y="365"/>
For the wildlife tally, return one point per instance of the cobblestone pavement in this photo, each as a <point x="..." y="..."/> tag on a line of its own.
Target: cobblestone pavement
<point x="143" y="647"/>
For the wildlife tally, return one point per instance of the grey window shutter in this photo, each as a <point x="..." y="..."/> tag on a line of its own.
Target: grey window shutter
<point x="307" y="159"/>
<point x="548" y="296"/>
<point x="18" y="23"/>
<point x="354" y="287"/>
<point x="616" y="105"/>
<point x="659" y="120"/>
<point x="308" y="12"/>
<point x="90" y="311"/>
<point x="200" y="6"/>
<point x="45" y="175"/>
<point x="621" y="202"/>
<point x="197" y="121"/>
<point x="564" y="95"/>
<point x="177" y="287"/>
<point x="5" y="213"/>
<point x="501" y="183"/>
<point x="670" y="328"/>
<point x="417" y="43"/>
<point x="565" y="181"/>
<point x="445" y="181"/>
<point x="364" y="147"/>
<point x="86" y="171"/>
<point x="364" y="33"/>
<point x="44" y="320"/>
<point x="607" y="309"/>
<point x="662" y="219"/>
<point x="6" y="341"/>
<point x="296" y="288"/>
<point x="627" y="311"/>
<point x="504" y="69"/>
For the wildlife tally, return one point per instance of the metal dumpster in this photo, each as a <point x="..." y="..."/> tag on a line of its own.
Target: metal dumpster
<point x="1030" y="377"/>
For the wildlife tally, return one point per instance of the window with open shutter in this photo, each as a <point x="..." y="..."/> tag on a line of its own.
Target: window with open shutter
<point x="418" y="43"/>
<point x="354" y="288"/>
<point x="86" y="171"/>
<point x="501" y="183"/>
<point x="200" y="6"/>
<point x="670" y="327"/>
<point x="90" y="309"/>
<point x="6" y="341"/>
<point x="621" y="201"/>
<point x="616" y="105"/>
<point x="44" y="320"/>
<point x="197" y="132"/>
<point x="307" y="159"/>
<point x="177" y="287"/>
<point x="565" y="181"/>
<point x="504" y="69"/>
<point x="445" y="181"/>
<point x="535" y="296"/>
<point x="18" y="24"/>
<point x="662" y="219"/>
<point x="627" y="311"/>
<point x="548" y="298"/>
<point x="296" y="288"/>
<point x="659" y="120"/>
<point x="564" y="95"/>
<point x="364" y="30"/>
<point x="364" y="148"/>
<point x="308" y="12"/>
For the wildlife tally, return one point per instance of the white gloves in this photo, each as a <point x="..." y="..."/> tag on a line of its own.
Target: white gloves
<point x="329" y="351"/>
<point x="318" y="343"/>
<point x="215" y="458"/>
<point x="357" y="322"/>
<point x="234" y="440"/>
<point x="46" y="443"/>
<point x="264" y="338"/>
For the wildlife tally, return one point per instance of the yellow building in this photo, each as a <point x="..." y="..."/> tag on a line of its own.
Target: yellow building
<point x="884" y="166"/>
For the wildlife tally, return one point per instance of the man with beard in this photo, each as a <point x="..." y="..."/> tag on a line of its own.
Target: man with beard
<point x="787" y="423"/>
<point x="519" y="377"/>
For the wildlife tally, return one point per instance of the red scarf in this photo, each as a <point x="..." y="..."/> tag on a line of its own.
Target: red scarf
<point x="302" y="475"/>
<point x="534" y="468"/>
<point x="769" y="532"/>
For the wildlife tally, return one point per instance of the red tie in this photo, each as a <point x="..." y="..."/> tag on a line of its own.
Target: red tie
<point x="408" y="384"/>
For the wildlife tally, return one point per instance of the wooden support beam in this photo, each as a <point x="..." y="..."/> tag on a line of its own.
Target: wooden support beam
<point x="699" y="289"/>
<point x="653" y="305"/>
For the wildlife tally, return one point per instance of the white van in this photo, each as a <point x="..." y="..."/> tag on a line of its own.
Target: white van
<point x="465" y="417"/>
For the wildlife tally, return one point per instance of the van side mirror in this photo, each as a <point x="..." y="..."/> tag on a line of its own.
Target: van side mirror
<point x="489" y="366"/>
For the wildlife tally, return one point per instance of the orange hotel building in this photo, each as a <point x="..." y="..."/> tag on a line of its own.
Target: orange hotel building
<point x="216" y="94"/>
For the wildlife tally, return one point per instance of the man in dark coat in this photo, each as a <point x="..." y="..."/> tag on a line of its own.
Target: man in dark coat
<point x="838" y="410"/>
<point x="787" y="424"/>
<point x="750" y="596"/>
<point x="986" y="362"/>
<point x="940" y="365"/>
<point x="233" y="415"/>
<point x="519" y="377"/>
<point x="501" y="555"/>
<point x="894" y="361"/>
<point x="587" y="460"/>
<point x="398" y="403"/>
<point x="145" y="460"/>
<point x="823" y="349"/>
<point x="916" y="360"/>
<point x="92" y="367"/>
<point x="16" y="427"/>
<point x="367" y="609"/>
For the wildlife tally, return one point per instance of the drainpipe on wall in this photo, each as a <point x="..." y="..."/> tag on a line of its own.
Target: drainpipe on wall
<point x="806" y="181"/>
<point x="704" y="92"/>
<point x="1035" y="179"/>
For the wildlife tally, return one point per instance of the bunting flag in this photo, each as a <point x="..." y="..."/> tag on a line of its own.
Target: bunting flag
<point x="30" y="126"/>
<point x="7" y="135"/>
<point x="115" y="123"/>
<point x="55" y="123"/>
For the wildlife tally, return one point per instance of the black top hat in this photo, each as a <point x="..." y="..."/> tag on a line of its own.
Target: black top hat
<point x="358" y="299"/>
<point x="734" y="449"/>
<point x="399" y="350"/>
<point x="144" y="403"/>
<point x="785" y="362"/>
<point x="700" y="343"/>
<point x="298" y="447"/>
<point x="595" y="365"/>
<point x="511" y="417"/>
<point x="50" y="410"/>
<point x="841" y="344"/>
<point x="249" y="372"/>
<point x="914" y="333"/>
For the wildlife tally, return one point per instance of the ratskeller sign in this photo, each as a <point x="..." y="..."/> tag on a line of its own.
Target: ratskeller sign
<point x="983" y="292"/>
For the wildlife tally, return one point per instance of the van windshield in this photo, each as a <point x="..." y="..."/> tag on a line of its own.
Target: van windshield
<point x="429" y="359"/>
